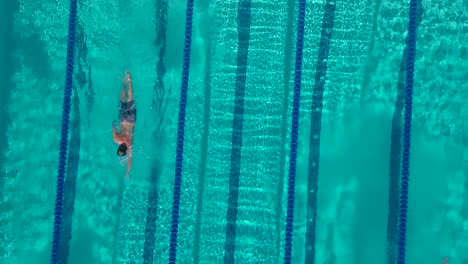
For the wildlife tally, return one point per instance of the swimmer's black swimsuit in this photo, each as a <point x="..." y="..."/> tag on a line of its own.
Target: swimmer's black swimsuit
<point x="127" y="112"/>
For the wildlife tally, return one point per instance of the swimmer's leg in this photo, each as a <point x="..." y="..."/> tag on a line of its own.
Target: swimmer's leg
<point x="123" y="94"/>
<point x="130" y="86"/>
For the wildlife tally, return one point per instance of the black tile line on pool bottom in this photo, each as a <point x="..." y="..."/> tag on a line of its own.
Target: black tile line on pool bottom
<point x="151" y="213"/>
<point x="243" y="21"/>
<point x="83" y="71"/>
<point x="161" y="8"/>
<point x="89" y="97"/>
<point x="395" y="157"/>
<point x="373" y="57"/>
<point x="316" y="126"/>
<point x="204" y="145"/>
<point x="152" y="201"/>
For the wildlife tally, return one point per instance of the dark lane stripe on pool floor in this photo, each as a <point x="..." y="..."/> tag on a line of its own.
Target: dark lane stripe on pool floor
<point x="243" y="29"/>
<point x="316" y="127"/>
<point x="151" y="214"/>
<point x="83" y="70"/>
<point x="204" y="145"/>
<point x="152" y="202"/>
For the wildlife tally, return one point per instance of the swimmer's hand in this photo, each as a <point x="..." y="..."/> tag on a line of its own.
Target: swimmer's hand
<point x="129" y="161"/>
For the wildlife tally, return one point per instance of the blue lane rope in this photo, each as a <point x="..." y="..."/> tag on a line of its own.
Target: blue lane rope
<point x="64" y="133"/>
<point x="294" y="133"/>
<point x="69" y="192"/>
<point x="395" y="169"/>
<point x="180" y="134"/>
<point x="407" y="131"/>
<point x="287" y="62"/>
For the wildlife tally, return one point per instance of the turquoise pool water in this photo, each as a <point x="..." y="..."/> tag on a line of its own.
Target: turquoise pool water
<point x="354" y="50"/>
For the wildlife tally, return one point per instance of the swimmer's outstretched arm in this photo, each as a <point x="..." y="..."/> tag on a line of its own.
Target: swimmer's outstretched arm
<point x="129" y="164"/>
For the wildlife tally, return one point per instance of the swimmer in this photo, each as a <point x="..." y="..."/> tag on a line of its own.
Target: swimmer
<point x="127" y="116"/>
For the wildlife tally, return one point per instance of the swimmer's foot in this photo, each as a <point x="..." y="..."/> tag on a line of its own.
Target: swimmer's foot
<point x="127" y="79"/>
<point x="124" y="80"/>
<point x="128" y="76"/>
